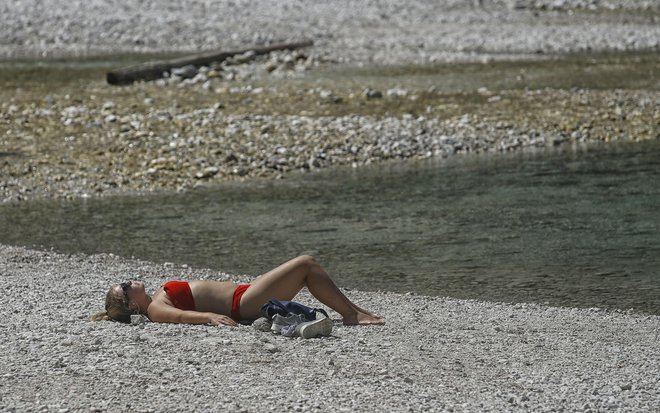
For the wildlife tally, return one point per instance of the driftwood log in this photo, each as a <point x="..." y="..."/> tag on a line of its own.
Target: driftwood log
<point x="155" y="70"/>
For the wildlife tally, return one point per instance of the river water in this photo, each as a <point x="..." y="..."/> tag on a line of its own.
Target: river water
<point x="577" y="226"/>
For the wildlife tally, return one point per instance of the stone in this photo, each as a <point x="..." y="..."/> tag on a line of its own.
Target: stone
<point x="208" y="172"/>
<point x="397" y="92"/>
<point x="372" y="94"/>
<point x="185" y="72"/>
<point x="138" y="319"/>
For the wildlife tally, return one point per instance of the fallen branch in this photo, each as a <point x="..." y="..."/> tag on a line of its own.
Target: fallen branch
<point x="155" y="70"/>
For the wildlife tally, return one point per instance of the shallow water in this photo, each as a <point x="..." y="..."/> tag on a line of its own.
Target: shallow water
<point x="574" y="226"/>
<point x="633" y="70"/>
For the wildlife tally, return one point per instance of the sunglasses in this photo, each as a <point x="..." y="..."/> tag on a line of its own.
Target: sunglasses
<point x="124" y="287"/>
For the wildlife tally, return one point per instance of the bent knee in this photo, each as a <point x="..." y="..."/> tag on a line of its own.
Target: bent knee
<point x="307" y="260"/>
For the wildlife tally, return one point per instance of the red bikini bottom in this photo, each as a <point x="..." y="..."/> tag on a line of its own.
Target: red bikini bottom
<point x="236" y="301"/>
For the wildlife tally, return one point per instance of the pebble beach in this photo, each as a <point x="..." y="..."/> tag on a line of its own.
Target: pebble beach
<point x="76" y="136"/>
<point x="434" y="353"/>
<point x="70" y="135"/>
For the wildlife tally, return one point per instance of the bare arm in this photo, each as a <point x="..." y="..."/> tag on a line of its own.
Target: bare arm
<point x="163" y="313"/>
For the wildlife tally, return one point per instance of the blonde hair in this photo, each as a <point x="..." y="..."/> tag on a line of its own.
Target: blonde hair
<point x="116" y="308"/>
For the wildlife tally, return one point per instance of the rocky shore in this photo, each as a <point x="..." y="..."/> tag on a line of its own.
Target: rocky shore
<point x="74" y="136"/>
<point x="434" y="354"/>
<point x="346" y="31"/>
<point x="85" y="138"/>
<point x="64" y="133"/>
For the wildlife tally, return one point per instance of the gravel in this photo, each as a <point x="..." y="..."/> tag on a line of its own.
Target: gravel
<point x="202" y="126"/>
<point x="103" y="140"/>
<point x="434" y="353"/>
<point x="349" y="31"/>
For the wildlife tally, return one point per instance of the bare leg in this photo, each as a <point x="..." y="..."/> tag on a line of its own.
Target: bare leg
<point x="285" y="281"/>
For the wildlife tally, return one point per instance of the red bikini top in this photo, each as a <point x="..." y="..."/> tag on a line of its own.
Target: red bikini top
<point x="180" y="294"/>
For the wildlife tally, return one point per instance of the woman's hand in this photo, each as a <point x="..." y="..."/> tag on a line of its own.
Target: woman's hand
<point x="218" y="319"/>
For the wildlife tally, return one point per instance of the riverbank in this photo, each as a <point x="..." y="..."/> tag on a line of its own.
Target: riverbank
<point x="434" y="353"/>
<point x="79" y="137"/>
<point x="378" y="84"/>
<point x="347" y="31"/>
<point x="64" y="133"/>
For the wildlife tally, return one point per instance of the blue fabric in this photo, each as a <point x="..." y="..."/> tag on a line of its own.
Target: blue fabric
<point x="284" y="308"/>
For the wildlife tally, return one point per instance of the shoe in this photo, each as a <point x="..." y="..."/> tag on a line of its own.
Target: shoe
<point x="262" y="324"/>
<point x="311" y="329"/>
<point x="287" y="325"/>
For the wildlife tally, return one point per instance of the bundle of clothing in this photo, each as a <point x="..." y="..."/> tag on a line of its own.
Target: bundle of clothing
<point x="292" y="319"/>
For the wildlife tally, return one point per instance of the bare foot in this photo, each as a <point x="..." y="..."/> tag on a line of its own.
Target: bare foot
<point x="367" y="312"/>
<point x="360" y="318"/>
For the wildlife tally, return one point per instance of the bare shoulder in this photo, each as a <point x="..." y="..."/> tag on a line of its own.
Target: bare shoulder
<point x="161" y="296"/>
<point x="161" y="308"/>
